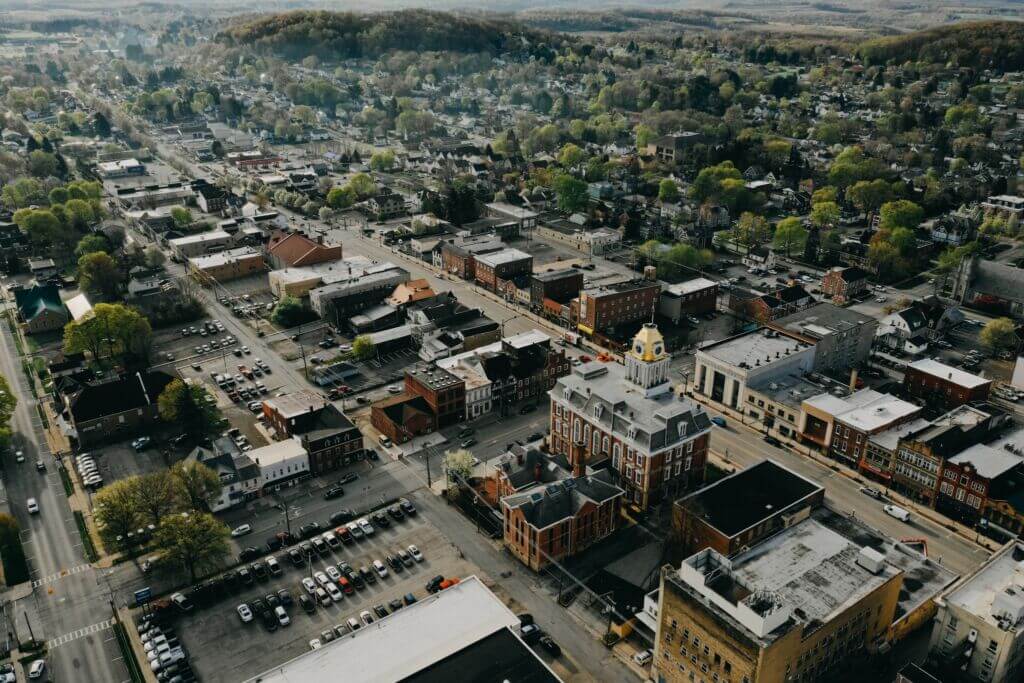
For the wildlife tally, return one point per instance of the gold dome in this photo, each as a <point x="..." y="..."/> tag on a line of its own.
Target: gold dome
<point x="648" y="344"/>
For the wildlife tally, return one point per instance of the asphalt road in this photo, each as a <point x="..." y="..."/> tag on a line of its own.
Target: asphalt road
<point x="69" y="606"/>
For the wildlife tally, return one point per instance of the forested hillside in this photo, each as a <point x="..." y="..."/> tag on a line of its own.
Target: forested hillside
<point x="342" y="35"/>
<point x="983" y="45"/>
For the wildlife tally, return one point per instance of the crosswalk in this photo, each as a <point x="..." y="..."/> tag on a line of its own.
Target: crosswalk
<point x="60" y="575"/>
<point x="80" y="633"/>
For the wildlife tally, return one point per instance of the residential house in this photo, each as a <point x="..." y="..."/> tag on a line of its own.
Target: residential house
<point x="844" y="284"/>
<point x="40" y="309"/>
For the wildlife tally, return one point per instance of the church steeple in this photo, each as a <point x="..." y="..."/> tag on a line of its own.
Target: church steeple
<point x="647" y="361"/>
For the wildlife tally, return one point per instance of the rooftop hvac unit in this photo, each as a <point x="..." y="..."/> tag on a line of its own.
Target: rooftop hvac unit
<point x="871" y="560"/>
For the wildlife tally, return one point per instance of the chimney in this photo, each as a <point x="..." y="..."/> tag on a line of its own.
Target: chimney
<point x="320" y="239"/>
<point x="853" y="379"/>
<point x="536" y="472"/>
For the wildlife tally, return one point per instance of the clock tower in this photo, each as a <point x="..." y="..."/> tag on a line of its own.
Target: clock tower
<point x="647" y="361"/>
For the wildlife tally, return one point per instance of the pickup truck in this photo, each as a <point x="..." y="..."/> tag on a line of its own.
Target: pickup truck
<point x="245" y="370"/>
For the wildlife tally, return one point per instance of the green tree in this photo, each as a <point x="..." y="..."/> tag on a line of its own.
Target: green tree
<point x="885" y="259"/>
<point x="98" y="276"/>
<point x="186" y="406"/>
<point x="458" y="464"/>
<point x="154" y="257"/>
<point x="825" y="214"/>
<point x="290" y="312"/>
<point x="668" y="191"/>
<point x="156" y="496"/>
<point x="42" y="164"/>
<point x="777" y="152"/>
<point x="91" y="244"/>
<point x="116" y="508"/>
<point x="80" y="213"/>
<point x="341" y="197"/>
<point x="363" y="348"/>
<point x="790" y="234"/>
<point x="900" y="214"/>
<point x="571" y="192"/>
<point x="708" y="184"/>
<point x="383" y="161"/>
<point x="181" y="216"/>
<point x="363" y="185"/>
<point x="8" y="402"/>
<point x="196" y="542"/>
<point x="196" y="485"/>
<point x="751" y="230"/>
<point x="869" y="195"/>
<point x="998" y="335"/>
<point x="571" y="155"/>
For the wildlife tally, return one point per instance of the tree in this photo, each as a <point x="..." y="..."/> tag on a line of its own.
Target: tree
<point x="42" y="164"/>
<point x="154" y="257"/>
<point x="869" y="195"/>
<point x="900" y="214"/>
<point x="91" y="244"/>
<point x="98" y="276"/>
<point x="790" y="234"/>
<point x="117" y="510"/>
<point x="156" y="496"/>
<point x="572" y="192"/>
<point x="196" y="485"/>
<point x="341" y="197"/>
<point x="8" y="402"/>
<point x="363" y="185"/>
<point x="383" y="161"/>
<point x="363" y="348"/>
<point x="708" y="184"/>
<point x="186" y="405"/>
<point x="459" y="466"/>
<point x="668" y="191"/>
<point x="751" y="230"/>
<point x="885" y="259"/>
<point x="80" y="213"/>
<point x="11" y="551"/>
<point x="998" y="335"/>
<point x="825" y="214"/>
<point x="290" y="312"/>
<point x="571" y="155"/>
<point x="101" y="125"/>
<point x="195" y="541"/>
<point x="181" y="216"/>
<point x="777" y="152"/>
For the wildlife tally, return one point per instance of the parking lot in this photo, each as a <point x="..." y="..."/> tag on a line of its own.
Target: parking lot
<point x="225" y="649"/>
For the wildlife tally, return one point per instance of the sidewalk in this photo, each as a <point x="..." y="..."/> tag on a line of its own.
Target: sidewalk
<point x="124" y="615"/>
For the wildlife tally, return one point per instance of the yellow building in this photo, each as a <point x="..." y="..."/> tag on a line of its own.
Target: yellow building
<point x="789" y="610"/>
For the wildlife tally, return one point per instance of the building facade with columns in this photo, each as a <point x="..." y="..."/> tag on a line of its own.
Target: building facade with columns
<point x="629" y="416"/>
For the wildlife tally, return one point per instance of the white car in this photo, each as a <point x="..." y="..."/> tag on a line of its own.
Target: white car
<point x="308" y="585"/>
<point x="244" y="613"/>
<point x="33" y="506"/>
<point x="36" y="669"/>
<point x="282" y="616"/>
<point x="379" y="567"/>
<point x="241" y="530"/>
<point x="415" y="553"/>
<point x="322" y="579"/>
<point x="332" y="572"/>
<point x="334" y="592"/>
<point x="365" y="526"/>
<point x="19" y="456"/>
<point x="315" y="644"/>
<point x="366" y="617"/>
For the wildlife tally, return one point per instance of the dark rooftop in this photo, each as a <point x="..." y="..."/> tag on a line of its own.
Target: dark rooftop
<point x="749" y="496"/>
<point x="433" y="377"/>
<point x="498" y="657"/>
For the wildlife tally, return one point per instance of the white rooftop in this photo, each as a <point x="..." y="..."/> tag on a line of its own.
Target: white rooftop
<point x="996" y="586"/>
<point x="948" y="372"/>
<point x="279" y="451"/>
<point x="404" y="642"/>
<point x="878" y="413"/>
<point x="223" y="257"/>
<point x="210" y="236"/>
<point x="987" y="461"/>
<point x="690" y="286"/>
<point x="758" y="348"/>
<point x="496" y="258"/>
<point x="524" y="339"/>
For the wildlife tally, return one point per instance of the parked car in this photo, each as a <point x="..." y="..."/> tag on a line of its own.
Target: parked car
<point x="244" y="613"/>
<point x="871" y="492"/>
<point x="551" y="646"/>
<point x="241" y="530"/>
<point x="897" y="512"/>
<point x="718" y="420"/>
<point x="334" y="492"/>
<point x="415" y="553"/>
<point x="381" y="570"/>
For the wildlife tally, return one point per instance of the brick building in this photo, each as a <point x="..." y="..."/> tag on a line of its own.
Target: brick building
<point x="969" y="476"/>
<point x="560" y="286"/>
<point x="938" y="383"/>
<point x="329" y="437"/>
<point x="403" y="417"/>
<point x="225" y="266"/>
<point x="458" y="255"/>
<point x="603" y="309"/>
<point x="693" y="297"/>
<point x="493" y="268"/>
<point x="294" y="250"/>
<point x="443" y="392"/>
<point x="854" y="427"/>
<point x="741" y="510"/>
<point x="844" y="283"/>
<point x="628" y="415"/>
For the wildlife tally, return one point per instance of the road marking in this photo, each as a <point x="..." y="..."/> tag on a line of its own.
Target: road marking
<point x="80" y="633"/>
<point x="60" y="575"/>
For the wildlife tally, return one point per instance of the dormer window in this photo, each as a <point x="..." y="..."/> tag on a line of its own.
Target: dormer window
<point x="598" y="409"/>
<point x="682" y="428"/>
<point x="631" y="433"/>
<point x="567" y="393"/>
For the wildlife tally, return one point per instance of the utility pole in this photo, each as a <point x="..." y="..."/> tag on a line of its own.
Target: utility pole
<point x="29" y="624"/>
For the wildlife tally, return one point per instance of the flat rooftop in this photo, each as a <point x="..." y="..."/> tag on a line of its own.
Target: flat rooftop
<point x="753" y="349"/>
<point x="879" y="413"/>
<point x="791" y="390"/>
<point x="748" y="497"/>
<point x="689" y="287"/>
<point x="223" y="258"/>
<point x="949" y="373"/>
<point x="424" y="642"/>
<point x="612" y="288"/>
<point x="296" y="403"/>
<point x="497" y="258"/>
<point x="987" y="592"/>
<point x="432" y="376"/>
<point x="821" y="320"/>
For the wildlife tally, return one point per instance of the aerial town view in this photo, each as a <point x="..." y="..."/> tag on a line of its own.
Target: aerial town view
<point x="511" y="342"/>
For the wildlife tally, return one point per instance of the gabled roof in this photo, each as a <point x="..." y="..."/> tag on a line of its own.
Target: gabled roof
<point x="295" y="249"/>
<point x="548" y="504"/>
<point x="37" y="300"/>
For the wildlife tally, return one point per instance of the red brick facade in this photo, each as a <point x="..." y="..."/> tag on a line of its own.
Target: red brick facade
<point x="563" y="539"/>
<point x="941" y="390"/>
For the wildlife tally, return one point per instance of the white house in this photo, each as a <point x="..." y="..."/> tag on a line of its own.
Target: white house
<point x="281" y="462"/>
